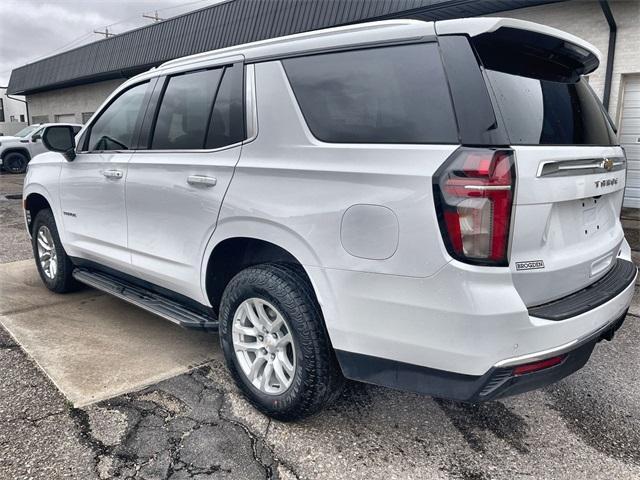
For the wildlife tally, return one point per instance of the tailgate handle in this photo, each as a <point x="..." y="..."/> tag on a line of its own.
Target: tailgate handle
<point x="581" y="167"/>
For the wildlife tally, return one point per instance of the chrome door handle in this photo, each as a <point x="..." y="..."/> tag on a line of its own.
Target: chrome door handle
<point x="201" y="180"/>
<point x="112" y="173"/>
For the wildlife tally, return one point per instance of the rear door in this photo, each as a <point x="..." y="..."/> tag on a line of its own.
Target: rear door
<point x="177" y="181"/>
<point x="570" y="171"/>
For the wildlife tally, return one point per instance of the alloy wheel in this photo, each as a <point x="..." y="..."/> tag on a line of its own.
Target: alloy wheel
<point x="47" y="252"/>
<point x="264" y="346"/>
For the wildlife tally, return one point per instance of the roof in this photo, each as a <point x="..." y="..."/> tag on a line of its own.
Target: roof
<point x="361" y="34"/>
<point x="226" y="24"/>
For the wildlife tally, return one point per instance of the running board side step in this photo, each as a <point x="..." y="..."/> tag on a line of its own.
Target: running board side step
<point x="147" y="300"/>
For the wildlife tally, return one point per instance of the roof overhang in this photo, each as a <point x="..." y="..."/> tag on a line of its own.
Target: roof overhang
<point x="226" y="24"/>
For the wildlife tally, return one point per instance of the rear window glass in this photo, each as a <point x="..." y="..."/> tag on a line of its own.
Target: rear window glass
<point x="543" y="112"/>
<point x="382" y="95"/>
<point x="540" y="90"/>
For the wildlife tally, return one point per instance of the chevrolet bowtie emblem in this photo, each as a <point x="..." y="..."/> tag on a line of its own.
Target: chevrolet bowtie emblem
<point x="607" y="164"/>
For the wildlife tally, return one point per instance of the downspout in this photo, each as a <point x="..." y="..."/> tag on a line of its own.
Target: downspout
<point x="613" y="30"/>
<point x="18" y="100"/>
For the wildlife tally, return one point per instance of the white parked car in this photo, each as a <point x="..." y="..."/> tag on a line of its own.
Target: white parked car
<point x="16" y="151"/>
<point x="427" y="206"/>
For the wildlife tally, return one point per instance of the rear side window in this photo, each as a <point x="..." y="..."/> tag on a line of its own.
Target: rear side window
<point x="227" y="120"/>
<point x="184" y="112"/>
<point x="383" y="95"/>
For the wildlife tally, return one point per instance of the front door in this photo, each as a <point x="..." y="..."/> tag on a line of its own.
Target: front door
<point x="176" y="186"/>
<point x="92" y="187"/>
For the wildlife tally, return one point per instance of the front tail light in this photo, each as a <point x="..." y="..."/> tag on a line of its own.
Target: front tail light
<point x="473" y="192"/>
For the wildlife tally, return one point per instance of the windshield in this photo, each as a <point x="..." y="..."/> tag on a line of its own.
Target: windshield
<point x="26" y="131"/>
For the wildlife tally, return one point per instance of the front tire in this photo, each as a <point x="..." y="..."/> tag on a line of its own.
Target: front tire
<point x="15" y="162"/>
<point x="53" y="263"/>
<point x="275" y="344"/>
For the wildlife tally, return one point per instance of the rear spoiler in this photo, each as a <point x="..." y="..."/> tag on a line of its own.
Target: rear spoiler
<point x="530" y="44"/>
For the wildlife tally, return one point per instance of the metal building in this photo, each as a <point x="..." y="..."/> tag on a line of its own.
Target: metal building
<point x="71" y="85"/>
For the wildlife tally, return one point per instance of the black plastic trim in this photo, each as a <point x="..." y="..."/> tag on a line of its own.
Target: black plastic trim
<point x="621" y="275"/>
<point x="477" y="120"/>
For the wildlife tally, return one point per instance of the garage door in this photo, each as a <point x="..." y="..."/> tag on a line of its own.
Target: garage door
<point x="630" y="139"/>
<point x="66" y="117"/>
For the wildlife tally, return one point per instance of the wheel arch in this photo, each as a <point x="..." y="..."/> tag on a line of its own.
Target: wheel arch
<point x="34" y="203"/>
<point x="233" y="254"/>
<point x="22" y="150"/>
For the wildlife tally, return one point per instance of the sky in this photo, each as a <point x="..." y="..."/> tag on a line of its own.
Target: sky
<point x="32" y="29"/>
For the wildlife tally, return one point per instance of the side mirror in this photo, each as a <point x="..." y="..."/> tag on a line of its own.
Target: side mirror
<point x="36" y="137"/>
<point x="61" y="139"/>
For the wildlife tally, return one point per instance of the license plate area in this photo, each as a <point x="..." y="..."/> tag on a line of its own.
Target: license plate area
<point x="591" y="218"/>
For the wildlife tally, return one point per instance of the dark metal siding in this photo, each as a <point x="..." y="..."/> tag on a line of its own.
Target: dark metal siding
<point x="231" y="23"/>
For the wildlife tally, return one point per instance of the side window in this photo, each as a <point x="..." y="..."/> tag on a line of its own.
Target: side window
<point x="114" y="128"/>
<point x="76" y="129"/>
<point x="393" y="94"/>
<point x="185" y="109"/>
<point x="227" y="119"/>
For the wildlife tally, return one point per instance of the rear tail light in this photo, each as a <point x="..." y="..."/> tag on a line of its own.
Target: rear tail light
<point x="474" y="195"/>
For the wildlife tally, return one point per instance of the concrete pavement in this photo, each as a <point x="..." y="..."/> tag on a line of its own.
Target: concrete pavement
<point x="197" y="425"/>
<point x="95" y="346"/>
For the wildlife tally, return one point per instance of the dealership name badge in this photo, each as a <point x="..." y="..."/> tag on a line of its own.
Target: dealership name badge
<point x="530" y="265"/>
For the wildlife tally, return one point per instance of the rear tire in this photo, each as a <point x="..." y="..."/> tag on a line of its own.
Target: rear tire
<point x="53" y="263"/>
<point x="309" y="376"/>
<point x="15" y="162"/>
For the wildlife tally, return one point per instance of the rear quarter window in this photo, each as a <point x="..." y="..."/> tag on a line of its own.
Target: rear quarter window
<point x="393" y="94"/>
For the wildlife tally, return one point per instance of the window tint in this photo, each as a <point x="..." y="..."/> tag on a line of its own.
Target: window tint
<point x="184" y="111"/>
<point x="115" y="127"/>
<point x="382" y="95"/>
<point x="540" y="91"/>
<point x="227" y="118"/>
<point x="550" y="113"/>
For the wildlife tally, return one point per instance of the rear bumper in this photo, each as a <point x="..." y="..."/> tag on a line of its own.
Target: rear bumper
<point x="498" y="382"/>
<point x="458" y="333"/>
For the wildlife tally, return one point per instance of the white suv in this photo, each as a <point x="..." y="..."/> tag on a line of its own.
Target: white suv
<point x="427" y="206"/>
<point x="17" y="150"/>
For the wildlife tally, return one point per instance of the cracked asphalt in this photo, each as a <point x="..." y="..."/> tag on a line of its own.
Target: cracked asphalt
<point x="198" y="426"/>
